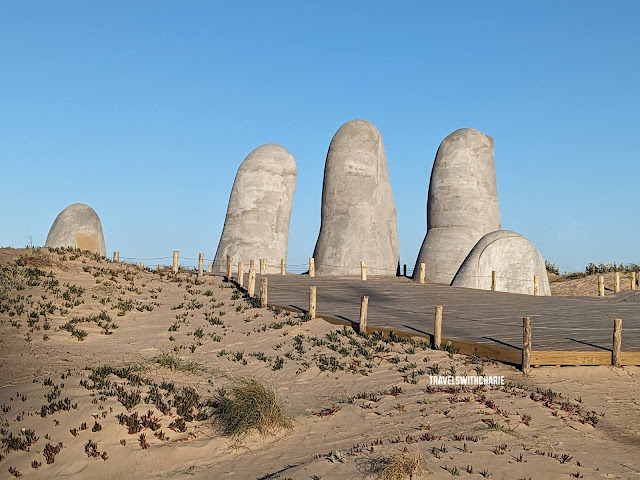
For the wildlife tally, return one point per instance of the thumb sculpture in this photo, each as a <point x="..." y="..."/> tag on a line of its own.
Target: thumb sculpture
<point x="358" y="220"/>
<point x="462" y="205"/>
<point x="77" y="226"/>
<point x="514" y="259"/>
<point x="259" y="210"/>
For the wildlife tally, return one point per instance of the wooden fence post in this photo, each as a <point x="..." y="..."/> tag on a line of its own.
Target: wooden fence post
<point x="404" y="270"/>
<point x="601" y="285"/>
<point x="252" y="265"/>
<point x="228" y="268"/>
<point x="423" y="272"/>
<point x="263" y="266"/>
<point x="116" y="256"/>
<point x="616" y="284"/>
<point x="241" y="274"/>
<point x="494" y="277"/>
<point x="363" y="271"/>
<point x="210" y="267"/>
<point x="283" y="267"/>
<point x="312" y="267"/>
<point x="157" y="268"/>
<point x="175" y="261"/>
<point x="526" y="345"/>
<point x="617" y="342"/>
<point x="437" y="327"/>
<point x="633" y="280"/>
<point x="200" y="264"/>
<point x="263" y="291"/>
<point x="312" y="302"/>
<point x="536" y="285"/>
<point x="252" y="282"/>
<point x="364" y="303"/>
<point x="142" y="265"/>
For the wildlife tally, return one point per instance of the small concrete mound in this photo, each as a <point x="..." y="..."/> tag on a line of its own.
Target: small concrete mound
<point x="259" y="210"/>
<point x="358" y="220"/>
<point x="514" y="258"/>
<point x="462" y="204"/>
<point x="77" y="226"/>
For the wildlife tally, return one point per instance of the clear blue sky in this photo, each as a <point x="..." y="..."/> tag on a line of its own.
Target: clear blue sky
<point x="144" y="110"/>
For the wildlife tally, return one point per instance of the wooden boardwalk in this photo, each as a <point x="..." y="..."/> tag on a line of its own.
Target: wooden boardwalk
<point x="481" y="322"/>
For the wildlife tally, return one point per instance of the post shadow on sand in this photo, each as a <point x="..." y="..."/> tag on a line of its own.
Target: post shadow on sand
<point x="303" y="310"/>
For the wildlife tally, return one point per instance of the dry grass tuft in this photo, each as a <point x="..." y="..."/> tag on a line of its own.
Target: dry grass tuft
<point x="399" y="466"/>
<point x="249" y="406"/>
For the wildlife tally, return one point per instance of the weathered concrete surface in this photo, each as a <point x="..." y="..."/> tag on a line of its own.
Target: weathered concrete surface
<point x="259" y="211"/>
<point x="358" y="211"/>
<point x="77" y="226"/>
<point x="462" y="205"/>
<point x="514" y="258"/>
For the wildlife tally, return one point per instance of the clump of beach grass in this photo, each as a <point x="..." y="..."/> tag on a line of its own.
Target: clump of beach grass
<point x="173" y="362"/>
<point x="401" y="465"/>
<point x="248" y="406"/>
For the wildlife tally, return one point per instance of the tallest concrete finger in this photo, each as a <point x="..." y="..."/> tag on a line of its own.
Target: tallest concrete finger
<point x="358" y="211"/>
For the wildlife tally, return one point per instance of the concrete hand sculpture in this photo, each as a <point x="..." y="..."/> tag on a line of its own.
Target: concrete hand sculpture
<point x="77" y="226"/>
<point x="514" y="259"/>
<point x="462" y="204"/>
<point x="259" y="210"/>
<point x="358" y="210"/>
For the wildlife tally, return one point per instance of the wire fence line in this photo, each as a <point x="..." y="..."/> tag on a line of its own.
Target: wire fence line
<point x="294" y="268"/>
<point x="184" y="262"/>
<point x="298" y="268"/>
<point x="301" y="268"/>
<point x="148" y="258"/>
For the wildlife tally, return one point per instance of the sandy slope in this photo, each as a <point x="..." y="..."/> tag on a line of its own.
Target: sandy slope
<point x="587" y="286"/>
<point x="582" y="420"/>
